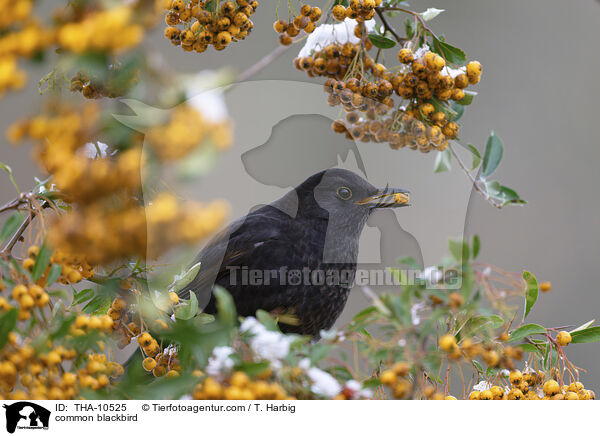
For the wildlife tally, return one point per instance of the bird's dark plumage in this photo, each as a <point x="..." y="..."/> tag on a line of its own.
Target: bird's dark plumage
<point x="315" y="227"/>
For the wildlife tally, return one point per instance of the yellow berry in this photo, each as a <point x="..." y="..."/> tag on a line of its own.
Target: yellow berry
<point x="563" y="338"/>
<point x="571" y="396"/>
<point x="173" y="297"/>
<point x="515" y="394"/>
<point x="239" y="379"/>
<point x="405" y="56"/>
<point x="33" y="251"/>
<point x="551" y="387"/>
<point x="474" y="69"/>
<point x="447" y="342"/>
<point x="515" y="377"/>
<point x="28" y="263"/>
<point x="159" y="371"/>
<point x="339" y="12"/>
<point x="401" y="369"/>
<point x="149" y="364"/>
<point x="388" y="377"/>
<point x="486" y="395"/>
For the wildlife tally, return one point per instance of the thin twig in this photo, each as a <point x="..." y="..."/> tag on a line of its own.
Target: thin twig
<point x="473" y="181"/>
<point x="6" y="251"/>
<point x="13" y="204"/>
<point x="389" y="28"/>
<point x="413" y="13"/>
<point x="263" y="63"/>
<point x="15" y="238"/>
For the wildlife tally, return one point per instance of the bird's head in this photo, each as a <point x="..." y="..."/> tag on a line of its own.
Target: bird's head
<point x="343" y="192"/>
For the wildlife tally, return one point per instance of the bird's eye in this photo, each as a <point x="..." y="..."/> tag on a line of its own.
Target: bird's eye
<point x="344" y="193"/>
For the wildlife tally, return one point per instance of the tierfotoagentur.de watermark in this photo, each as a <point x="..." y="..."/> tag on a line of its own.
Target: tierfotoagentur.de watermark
<point x="284" y="276"/>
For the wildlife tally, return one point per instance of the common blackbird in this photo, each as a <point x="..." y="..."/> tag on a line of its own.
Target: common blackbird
<point x="296" y="257"/>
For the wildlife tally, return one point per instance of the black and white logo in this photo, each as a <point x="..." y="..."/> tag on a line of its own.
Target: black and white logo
<point x="26" y="415"/>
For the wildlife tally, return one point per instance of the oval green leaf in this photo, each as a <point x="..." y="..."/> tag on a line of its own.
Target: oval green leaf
<point x="493" y="154"/>
<point x="526" y="330"/>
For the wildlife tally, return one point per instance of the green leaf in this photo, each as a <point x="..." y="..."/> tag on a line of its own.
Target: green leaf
<point x="225" y="305"/>
<point x="8" y="321"/>
<point x="583" y="326"/>
<point x="318" y="352"/>
<point x="98" y="304"/>
<point x="63" y="328"/>
<point x="253" y="369"/>
<point x="493" y="155"/>
<point x="531" y="293"/>
<point x="54" y="274"/>
<point x="184" y="279"/>
<point x="503" y="193"/>
<point x="188" y="308"/>
<point x="529" y="348"/>
<point x="372" y="383"/>
<point x="441" y="106"/>
<point x="459" y="109"/>
<point x="409" y="262"/>
<point x="496" y="321"/>
<point x="11" y="225"/>
<point x="267" y="320"/>
<point x="442" y="161"/>
<point x="61" y="294"/>
<point x="526" y="330"/>
<point x="42" y="260"/>
<point x="431" y="13"/>
<point x="83" y="296"/>
<point x="591" y="334"/>
<point x="475" y="245"/>
<point x="467" y="99"/>
<point x="459" y="250"/>
<point x="453" y="55"/>
<point x="409" y="28"/>
<point x="341" y="373"/>
<point x="381" y="41"/>
<point x="476" y="156"/>
<point x="11" y="176"/>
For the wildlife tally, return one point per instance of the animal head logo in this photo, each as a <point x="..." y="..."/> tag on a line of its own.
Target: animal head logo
<point x="26" y="415"/>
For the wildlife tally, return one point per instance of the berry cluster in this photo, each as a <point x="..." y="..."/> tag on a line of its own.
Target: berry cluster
<point x="208" y="23"/>
<point x="530" y="385"/>
<point x="127" y="323"/>
<point x="365" y="89"/>
<point x="493" y="354"/>
<point x="85" y="324"/>
<point x="104" y="189"/>
<point x="116" y="84"/>
<point x="34" y="373"/>
<point x="73" y="268"/>
<point x="21" y="36"/>
<point x="398" y="379"/>
<point x="304" y="21"/>
<point x="160" y="361"/>
<point x="359" y="10"/>
<point x="112" y="31"/>
<point x="59" y="138"/>
<point x="26" y="299"/>
<point x="239" y="387"/>
<point x="185" y="131"/>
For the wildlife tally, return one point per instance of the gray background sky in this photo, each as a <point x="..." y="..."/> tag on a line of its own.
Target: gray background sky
<point x="539" y="92"/>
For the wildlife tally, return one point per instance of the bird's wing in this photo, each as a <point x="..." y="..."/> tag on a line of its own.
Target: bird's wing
<point x="254" y="236"/>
